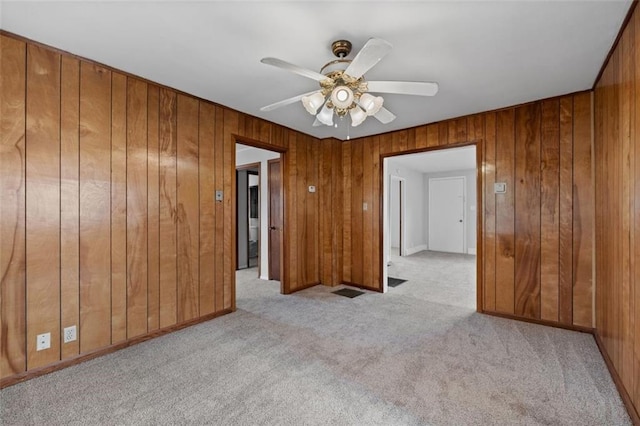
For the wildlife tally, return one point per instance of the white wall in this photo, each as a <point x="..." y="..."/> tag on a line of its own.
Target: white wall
<point x="415" y="214"/>
<point x="471" y="202"/>
<point x="262" y="156"/>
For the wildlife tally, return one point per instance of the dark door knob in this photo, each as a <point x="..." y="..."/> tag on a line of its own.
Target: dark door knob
<point x="273" y="228"/>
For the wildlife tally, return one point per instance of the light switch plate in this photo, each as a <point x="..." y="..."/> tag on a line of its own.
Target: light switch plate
<point x="499" y="187"/>
<point x="312" y="188"/>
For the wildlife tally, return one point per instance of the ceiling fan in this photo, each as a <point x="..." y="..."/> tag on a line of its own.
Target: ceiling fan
<point x="343" y="88"/>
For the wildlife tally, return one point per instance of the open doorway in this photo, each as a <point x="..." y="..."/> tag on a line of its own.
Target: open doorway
<point x="259" y="214"/>
<point x="430" y="225"/>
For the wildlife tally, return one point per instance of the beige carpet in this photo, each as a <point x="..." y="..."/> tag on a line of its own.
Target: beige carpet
<point x="318" y="358"/>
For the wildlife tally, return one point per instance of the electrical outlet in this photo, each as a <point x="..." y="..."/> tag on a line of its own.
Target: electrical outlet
<point x="69" y="334"/>
<point x="43" y="341"/>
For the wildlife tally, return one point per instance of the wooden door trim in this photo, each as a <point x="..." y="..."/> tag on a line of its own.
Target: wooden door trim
<point x="479" y="144"/>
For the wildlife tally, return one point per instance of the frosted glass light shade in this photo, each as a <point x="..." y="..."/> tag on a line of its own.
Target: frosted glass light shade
<point x="342" y="97"/>
<point x="325" y="116"/>
<point x="313" y="102"/>
<point x="357" y="116"/>
<point x="371" y="104"/>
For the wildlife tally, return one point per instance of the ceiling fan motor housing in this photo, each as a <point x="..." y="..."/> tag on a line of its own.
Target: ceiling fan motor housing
<point x="341" y="48"/>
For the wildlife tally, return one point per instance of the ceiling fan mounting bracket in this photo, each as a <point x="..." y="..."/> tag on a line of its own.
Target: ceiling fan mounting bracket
<point x="341" y="48"/>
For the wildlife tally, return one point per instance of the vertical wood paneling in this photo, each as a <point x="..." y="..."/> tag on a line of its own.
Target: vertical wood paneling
<point x="95" y="194"/>
<point x="565" y="245"/>
<point x="207" y="208"/>
<point x="367" y="224"/>
<point x="550" y="210"/>
<point x="13" y="68"/>
<point x="582" y="212"/>
<point x="218" y="152"/>
<point x="617" y="203"/>
<point x="489" y="250"/>
<point x="153" y="209"/>
<point x="338" y="206"/>
<point x="346" y="239"/>
<point x="326" y="212"/>
<point x="230" y="128"/>
<point x="124" y="236"/>
<point x="168" y="201"/>
<point x="527" y="210"/>
<point x="375" y="207"/>
<point x="69" y="201"/>
<point x="356" y="206"/>
<point x="505" y="215"/>
<point x="118" y="207"/>
<point x="43" y="203"/>
<point x="187" y="209"/>
<point x="137" y="217"/>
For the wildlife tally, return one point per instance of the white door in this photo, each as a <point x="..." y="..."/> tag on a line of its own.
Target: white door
<point x="446" y="214"/>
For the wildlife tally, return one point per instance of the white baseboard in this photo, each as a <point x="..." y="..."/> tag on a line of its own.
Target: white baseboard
<point x="471" y="250"/>
<point x="264" y="277"/>
<point x="416" y="249"/>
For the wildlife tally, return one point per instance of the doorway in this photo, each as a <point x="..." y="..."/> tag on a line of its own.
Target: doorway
<point x="433" y="195"/>
<point x="256" y="252"/>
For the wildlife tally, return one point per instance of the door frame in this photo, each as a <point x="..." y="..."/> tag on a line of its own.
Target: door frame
<point x="401" y="214"/>
<point x="285" y="287"/>
<point x="464" y="210"/>
<point x="250" y="166"/>
<point x="382" y="234"/>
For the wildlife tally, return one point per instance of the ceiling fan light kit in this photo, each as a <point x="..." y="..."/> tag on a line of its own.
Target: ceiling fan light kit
<point x="344" y="89"/>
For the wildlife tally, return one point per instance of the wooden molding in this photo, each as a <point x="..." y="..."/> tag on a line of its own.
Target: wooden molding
<point x="626" y="398"/>
<point x="21" y="377"/>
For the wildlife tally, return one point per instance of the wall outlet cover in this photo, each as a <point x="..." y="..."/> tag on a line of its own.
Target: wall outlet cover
<point x="43" y="341"/>
<point x="69" y="334"/>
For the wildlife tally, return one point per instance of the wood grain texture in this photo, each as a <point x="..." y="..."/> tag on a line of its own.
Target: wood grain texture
<point x="617" y="221"/>
<point x="43" y="203"/>
<point x="137" y="215"/>
<point x="118" y="207"/>
<point x="289" y="175"/>
<point x="489" y="219"/>
<point x="356" y="206"/>
<point x="206" y="209"/>
<point x="13" y="67"/>
<point x="230" y="128"/>
<point x="505" y="212"/>
<point x="565" y="244"/>
<point x="582" y="213"/>
<point x="168" y="202"/>
<point x="550" y="210"/>
<point x="527" y="210"/>
<point x="187" y="209"/>
<point x="69" y="201"/>
<point x="367" y="223"/>
<point x="95" y="218"/>
<point x="219" y="208"/>
<point x="347" y="219"/>
<point x="153" y="208"/>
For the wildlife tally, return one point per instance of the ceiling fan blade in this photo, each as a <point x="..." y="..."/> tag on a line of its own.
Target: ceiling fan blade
<point x="286" y="101"/>
<point x="294" y="68"/>
<point x="373" y="50"/>
<point x="317" y="123"/>
<point x="418" y="88"/>
<point x="385" y="116"/>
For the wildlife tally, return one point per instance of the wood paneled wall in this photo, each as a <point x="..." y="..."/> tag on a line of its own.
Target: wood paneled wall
<point x="108" y="218"/>
<point x="617" y="221"/>
<point x="537" y="238"/>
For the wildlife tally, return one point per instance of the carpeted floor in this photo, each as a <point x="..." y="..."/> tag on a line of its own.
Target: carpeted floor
<point x="318" y="358"/>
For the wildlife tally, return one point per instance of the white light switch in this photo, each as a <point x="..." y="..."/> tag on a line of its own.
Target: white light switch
<point x="365" y="206"/>
<point x="312" y="188"/>
<point x="218" y="195"/>
<point x="499" y="187"/>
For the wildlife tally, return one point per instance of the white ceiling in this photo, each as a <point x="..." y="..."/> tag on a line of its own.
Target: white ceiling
<point x="484" y="54"/>
<point x="442" y="160"/>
